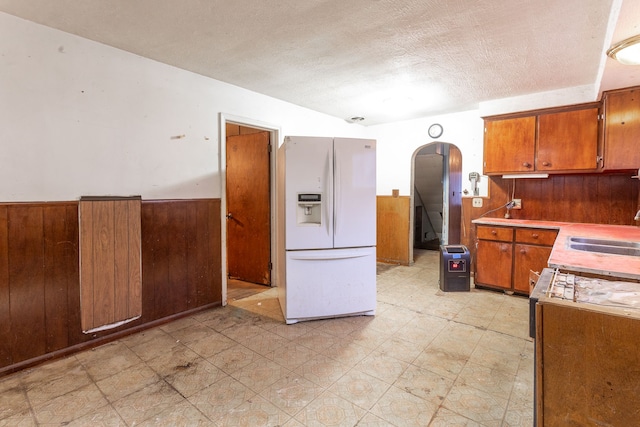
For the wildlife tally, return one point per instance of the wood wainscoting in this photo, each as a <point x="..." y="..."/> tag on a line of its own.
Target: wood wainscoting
<point x="40" y="281"/>
<point x="181" y="256"/>
<point x="392" y="236"/>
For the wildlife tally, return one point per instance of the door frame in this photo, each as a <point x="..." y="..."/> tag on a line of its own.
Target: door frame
<point x="445" y="194"/>
<point x="274" y="138"/>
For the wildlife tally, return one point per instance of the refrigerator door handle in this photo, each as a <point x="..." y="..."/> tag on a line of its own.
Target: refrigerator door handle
<point x="330" y="189"/>
<point x="336" y="193"/>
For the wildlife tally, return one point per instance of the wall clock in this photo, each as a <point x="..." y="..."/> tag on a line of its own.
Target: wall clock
<point x="435" y="130"/>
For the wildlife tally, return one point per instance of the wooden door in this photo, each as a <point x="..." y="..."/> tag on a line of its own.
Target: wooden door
<point x="509" y="145"/>
<point x="248" y="208"/>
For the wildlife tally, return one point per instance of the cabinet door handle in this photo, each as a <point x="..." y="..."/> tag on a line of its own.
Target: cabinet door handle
<point x="546" y="163"/>
<point x="526" y="164"/>
<point x="494" y="232"/>
<point x="523" y="251"/>
<point x="534" y="235"/>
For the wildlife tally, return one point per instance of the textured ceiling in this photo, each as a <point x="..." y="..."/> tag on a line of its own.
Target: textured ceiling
<point x="384" y="60"/>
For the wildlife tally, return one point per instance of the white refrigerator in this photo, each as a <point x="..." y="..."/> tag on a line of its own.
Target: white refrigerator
<point x="326" y="227"/>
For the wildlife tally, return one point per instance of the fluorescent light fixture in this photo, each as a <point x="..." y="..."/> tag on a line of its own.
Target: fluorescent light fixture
<point x="627" y="51"/>
<point x="526" y="175"/>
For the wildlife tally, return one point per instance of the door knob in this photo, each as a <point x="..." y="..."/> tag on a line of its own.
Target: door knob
<point x="229" y="216"/>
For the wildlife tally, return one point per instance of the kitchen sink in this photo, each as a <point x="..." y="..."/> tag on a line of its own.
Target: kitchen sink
<point x="605" y="242"/>
<point x="614" y="247"/>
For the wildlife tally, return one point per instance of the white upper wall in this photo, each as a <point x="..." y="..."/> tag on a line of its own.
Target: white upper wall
<point x="398" y="142"/>
<point x="81" y="118"/>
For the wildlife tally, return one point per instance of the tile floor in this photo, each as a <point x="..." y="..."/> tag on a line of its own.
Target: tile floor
<point x="428" y="358"/>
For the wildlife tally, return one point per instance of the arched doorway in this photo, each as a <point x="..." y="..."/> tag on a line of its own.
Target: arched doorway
<point x="436" y="196"/>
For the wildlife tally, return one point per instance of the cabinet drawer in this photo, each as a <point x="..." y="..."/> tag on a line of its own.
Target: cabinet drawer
<point x="502" y="234"/>
<point x="536" y="236"/>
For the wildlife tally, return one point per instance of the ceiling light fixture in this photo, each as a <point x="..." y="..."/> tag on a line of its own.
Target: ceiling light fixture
<point x="354" y="119"/>
<point x="627" y="51"/>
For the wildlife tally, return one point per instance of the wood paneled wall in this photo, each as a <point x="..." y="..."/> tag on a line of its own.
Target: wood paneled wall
<point x="39" y="299"/>
<point x="181" y="256"/>
<point x="392" y="236"/>
<point x="598" y="199"/>
<point x="40" y="284"/>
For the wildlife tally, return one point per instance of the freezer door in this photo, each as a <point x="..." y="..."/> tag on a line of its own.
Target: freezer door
<point x="355" y="192"/>
<point x="330" y="283"/>
<point x="308" y="171"/>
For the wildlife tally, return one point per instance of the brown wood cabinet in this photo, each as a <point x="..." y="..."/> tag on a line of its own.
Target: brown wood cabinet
<point x="587" y="360"/>
<point x="494" y="257"/>
<point x="622" y="129"/>
<point x="509" y="145"/>
<point x="549" y="141"/>
<point x="392" y="229"/>
<point x="505" y="255"/>
<point x="568" y="141"/>
<point x="532" y="249"/>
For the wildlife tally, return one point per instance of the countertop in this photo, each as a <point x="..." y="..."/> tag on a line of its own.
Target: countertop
<point x="565" y="258"/>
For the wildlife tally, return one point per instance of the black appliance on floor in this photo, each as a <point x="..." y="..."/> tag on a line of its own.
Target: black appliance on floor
<point x="455" y="263"/>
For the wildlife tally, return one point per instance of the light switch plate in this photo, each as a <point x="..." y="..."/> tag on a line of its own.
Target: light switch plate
<point x="477" y="202"/>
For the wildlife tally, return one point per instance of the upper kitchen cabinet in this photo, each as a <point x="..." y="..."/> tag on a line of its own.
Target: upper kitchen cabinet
<point x="509" y="145"/>
<point x="548" y="141"/>
<point x="622" y="129"/>
<point x="568" y="141"/>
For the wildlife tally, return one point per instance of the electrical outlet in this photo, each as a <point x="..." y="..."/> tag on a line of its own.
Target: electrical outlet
<point x="477" y="202"/>
<point x="518" y="203"/>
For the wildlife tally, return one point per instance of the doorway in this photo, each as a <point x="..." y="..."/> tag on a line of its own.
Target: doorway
<point x="436" y="196"/>
<point x="247" y="214"/>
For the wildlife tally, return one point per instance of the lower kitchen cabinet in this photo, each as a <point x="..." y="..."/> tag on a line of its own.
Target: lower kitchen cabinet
<point x="528" y="258"/>
<point x="494" y="257"/>
<point x="493" y="264"/>
<point x="505" y="255"/>
<point x="532" y="249"/>
<point x="587" y="360"/>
